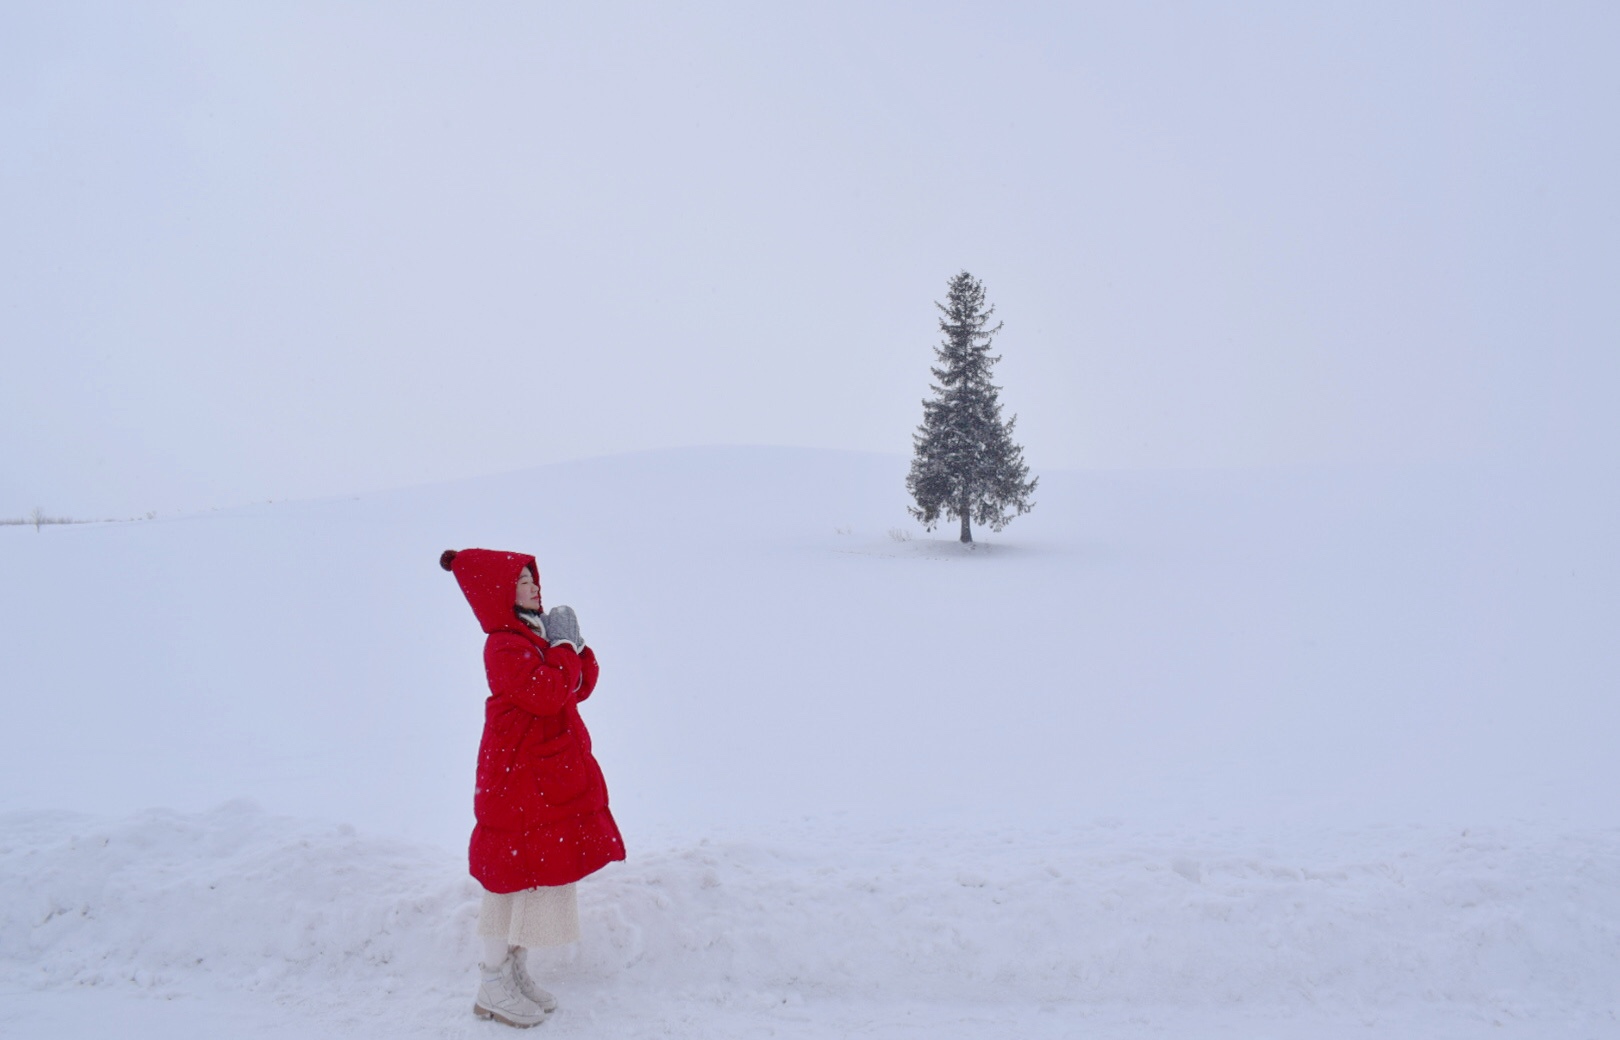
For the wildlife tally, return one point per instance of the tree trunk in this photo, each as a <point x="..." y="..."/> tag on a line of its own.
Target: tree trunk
<point x="967" y="533"/>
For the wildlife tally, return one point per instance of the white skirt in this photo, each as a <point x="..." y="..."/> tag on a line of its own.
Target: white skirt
<point x="545" y="916"/>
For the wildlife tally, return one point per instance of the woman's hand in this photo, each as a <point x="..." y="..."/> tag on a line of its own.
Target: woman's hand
<point x="562" y="626"/>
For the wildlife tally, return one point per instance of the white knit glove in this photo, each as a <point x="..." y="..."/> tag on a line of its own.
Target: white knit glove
<point x="563" y="627"/>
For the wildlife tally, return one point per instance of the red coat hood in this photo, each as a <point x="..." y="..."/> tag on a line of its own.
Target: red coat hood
<point x="488" y="578"/>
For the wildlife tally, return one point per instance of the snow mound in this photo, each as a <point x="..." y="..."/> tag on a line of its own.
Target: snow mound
<point x="816" y="918"/>
<point x="233" y="897"/>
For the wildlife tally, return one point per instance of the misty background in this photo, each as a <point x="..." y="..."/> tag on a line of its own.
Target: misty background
<point x="260" y="251"/>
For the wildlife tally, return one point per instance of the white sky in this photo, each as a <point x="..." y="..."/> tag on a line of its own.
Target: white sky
<point x="272" y="250"/>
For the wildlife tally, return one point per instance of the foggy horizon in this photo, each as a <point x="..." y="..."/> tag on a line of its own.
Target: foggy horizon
<point x="308" y="251"/>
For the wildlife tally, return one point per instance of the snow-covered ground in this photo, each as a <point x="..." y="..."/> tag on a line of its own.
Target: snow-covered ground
<point x="1293" y="754"/>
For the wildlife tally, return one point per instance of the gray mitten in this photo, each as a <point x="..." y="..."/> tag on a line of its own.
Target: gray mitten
<point x="563" y="627"/>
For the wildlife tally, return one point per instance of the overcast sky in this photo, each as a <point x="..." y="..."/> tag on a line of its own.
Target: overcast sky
<point x="268" y="250"/>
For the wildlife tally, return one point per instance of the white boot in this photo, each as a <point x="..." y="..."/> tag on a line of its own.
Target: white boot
<point x="525" y="981"/>
<point x="501" y="998"/>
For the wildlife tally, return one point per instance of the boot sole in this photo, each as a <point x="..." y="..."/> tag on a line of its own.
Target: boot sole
<point x="485" y="1013"/>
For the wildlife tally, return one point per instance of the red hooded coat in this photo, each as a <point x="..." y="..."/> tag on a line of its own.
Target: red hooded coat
<point x="541" y="802"/>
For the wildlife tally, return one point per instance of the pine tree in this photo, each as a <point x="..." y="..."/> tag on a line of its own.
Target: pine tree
<point x="966" y="464"/>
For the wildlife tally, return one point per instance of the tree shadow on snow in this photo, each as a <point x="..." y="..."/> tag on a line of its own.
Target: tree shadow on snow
<point x="910" y="547"/>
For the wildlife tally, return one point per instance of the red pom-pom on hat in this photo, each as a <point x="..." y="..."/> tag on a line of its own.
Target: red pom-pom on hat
<point x="447" y="558"/>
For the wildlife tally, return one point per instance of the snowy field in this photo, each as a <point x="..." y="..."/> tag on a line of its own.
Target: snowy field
<point x="1236" y="754"/>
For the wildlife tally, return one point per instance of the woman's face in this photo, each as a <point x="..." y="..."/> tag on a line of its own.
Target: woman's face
<point x="528" y="593"/>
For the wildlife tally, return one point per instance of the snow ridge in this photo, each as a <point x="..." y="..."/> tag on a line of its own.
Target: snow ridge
<point x="233" y="896"/>
<point x="1499" y="923"/>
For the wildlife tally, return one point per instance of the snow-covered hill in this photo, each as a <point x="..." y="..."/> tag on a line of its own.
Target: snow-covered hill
<point x="1302" y="754"/>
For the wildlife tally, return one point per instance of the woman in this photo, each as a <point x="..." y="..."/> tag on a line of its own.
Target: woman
<point x="541" y="804"/>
